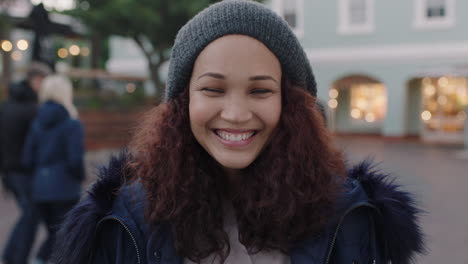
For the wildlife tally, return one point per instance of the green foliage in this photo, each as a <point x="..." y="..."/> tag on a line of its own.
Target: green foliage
<point x="156" y="20"/>
<point x="153" y="24"/>
<point x="4" y="24"/>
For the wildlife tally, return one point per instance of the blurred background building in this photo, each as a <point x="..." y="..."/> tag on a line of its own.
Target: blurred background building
<point x="388" y="68"/>
<point x="391" y="68"/>
<point x="108" y="101"/>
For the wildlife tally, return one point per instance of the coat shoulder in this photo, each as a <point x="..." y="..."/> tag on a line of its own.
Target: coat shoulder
<point x="397" y="221"/>
<point x="75" y="237"/>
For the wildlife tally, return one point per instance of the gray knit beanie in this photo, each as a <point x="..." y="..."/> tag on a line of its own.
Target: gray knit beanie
<point x="237" y="17"/>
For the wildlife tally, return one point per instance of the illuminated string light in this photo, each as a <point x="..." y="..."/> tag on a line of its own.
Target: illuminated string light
<point x="6" y="45"/>
<point x="16" y="55"/>
<point x="333" y="93"/>
<point x="74" y="50"/>
<point x="85" y="51"/>
<point x="356" y="113"/>
<point x="370" y="117"/>
<point x="426" y="115"/>
<point x="131" y="87"/>
<point x="62" y="53"/>
<point x="333" y="103"/>
<point x="22" y="44"/>
<point x="443" y="81"/>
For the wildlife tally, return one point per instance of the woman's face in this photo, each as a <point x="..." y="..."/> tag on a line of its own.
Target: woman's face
<point x="235" y="99"/>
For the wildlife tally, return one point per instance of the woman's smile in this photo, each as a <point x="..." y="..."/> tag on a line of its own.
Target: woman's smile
<point x="235" y="137"/>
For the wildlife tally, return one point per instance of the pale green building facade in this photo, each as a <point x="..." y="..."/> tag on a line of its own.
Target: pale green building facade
<point x="392" y="68"/>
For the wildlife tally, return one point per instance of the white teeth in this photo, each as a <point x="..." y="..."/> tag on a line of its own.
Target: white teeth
<point x="234" y="137"/>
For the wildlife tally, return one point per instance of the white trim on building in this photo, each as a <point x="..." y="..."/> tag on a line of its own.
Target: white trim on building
<point x="355" y="17"/>
<point x="391" y="53"/>
<point x="294" y="13"/>
<point x="434" y="14"/>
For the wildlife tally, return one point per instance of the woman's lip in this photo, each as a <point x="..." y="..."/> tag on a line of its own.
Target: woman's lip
<point x="235" y="131"/>
<point x="235" y="144"/>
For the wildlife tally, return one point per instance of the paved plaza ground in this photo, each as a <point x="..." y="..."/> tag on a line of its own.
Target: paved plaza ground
<point x="437" y="174"/>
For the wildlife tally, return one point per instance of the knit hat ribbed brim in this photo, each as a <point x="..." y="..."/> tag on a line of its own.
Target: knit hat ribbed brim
<point x="237" y="17"/>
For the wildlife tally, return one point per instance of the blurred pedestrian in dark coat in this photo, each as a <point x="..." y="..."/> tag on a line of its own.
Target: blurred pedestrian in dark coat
<point x="54" y="150"/>
<point x="16" y="115"/>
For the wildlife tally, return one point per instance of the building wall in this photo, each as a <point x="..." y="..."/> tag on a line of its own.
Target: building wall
<point x="393" y="20"/>
<point x="394" y="52"/>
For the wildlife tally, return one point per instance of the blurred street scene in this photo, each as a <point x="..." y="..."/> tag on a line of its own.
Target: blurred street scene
<point x="392" y="75"/>
<point x="436" y="174"/>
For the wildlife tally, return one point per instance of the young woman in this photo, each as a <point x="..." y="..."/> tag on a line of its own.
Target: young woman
<point x="54" y="150"/>
<point x="237" y="166"/>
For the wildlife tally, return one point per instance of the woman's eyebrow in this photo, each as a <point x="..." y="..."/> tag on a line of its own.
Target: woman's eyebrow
<point x="262" y="78"/>
<point x="213" y="75"/>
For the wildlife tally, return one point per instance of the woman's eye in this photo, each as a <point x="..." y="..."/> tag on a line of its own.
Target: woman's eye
<point x="261" y="91"/>
<point x="212" y="91"/>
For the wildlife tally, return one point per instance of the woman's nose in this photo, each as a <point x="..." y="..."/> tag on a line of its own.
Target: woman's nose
<point x="236" y="110"/>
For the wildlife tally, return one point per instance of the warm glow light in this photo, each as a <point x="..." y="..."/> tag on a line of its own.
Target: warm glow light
<point x="426" y="115"/>
<point x="85" y="51"/>
<point x="22" y="44"/>
<point x="429" y="90"/>
<point x="370" y="117"/>
<point x="62" y="53"/>
<point x="427" y="81"/>
<point x="16" y="55"/>
<point x="442" y="100"/>
<point x="333" y="103"/>
<point x="131" y="87"/>
<point x="461" y="115"/>
<point x="443" y="81"/>
<point x="74" y="50"/>
<point x="7" y="46"/>
<point x="361" y="103"/>
<point x="461" y="91"/>
<point x="368" y="102"/>
<point x="356" y="113"/>
<point x="333" y="93"/>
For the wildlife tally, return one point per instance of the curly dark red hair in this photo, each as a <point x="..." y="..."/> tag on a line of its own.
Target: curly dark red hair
<point x="285" y="195"/>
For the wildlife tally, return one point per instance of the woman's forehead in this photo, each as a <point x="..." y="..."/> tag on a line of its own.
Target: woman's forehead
<point x="237" y="55"/>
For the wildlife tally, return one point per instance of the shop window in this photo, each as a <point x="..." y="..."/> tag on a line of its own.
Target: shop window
<point x="444" y="101"/>
<point x="434" y="13"/>
<point x="293" y="12"/>
<point x="436" y="9"/>
<point x="356" y="16"/>
<point x="368" y="102"/>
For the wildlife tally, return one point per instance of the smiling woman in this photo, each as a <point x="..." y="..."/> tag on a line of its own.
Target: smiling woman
<point x="237" y="166"/>
<point x="233" y="112"/>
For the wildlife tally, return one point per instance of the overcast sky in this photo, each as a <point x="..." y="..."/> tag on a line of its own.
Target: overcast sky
<point x="59" y="5"/>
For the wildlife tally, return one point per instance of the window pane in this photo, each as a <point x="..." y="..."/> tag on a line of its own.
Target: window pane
<point x="357" y="11"/>
<point x="444" y="101"/>
<point x="289" y="7"/>
<point x="436" y="8"/>
<point x="368" y="102"/>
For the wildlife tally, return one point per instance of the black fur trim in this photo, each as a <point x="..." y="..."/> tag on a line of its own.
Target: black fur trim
<point x="397" y="225"/>
<point x="74" y="239"/>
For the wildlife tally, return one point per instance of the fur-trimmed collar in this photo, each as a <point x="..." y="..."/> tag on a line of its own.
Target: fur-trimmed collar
<point x="398" y="224"/>
<point x="397" y="227"/>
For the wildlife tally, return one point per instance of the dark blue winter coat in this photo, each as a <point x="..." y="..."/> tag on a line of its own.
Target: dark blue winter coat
<point x="54" y="150"/>
<point x="16" y="116"/>
<point x="375" y="222"/>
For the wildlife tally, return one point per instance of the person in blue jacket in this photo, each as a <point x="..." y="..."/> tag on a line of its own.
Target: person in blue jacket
<point x="237" y="166"/>
<point x="54" y="150"/>
<point x="16" y="116"/>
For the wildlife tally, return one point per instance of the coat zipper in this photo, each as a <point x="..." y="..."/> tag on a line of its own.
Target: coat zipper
<point x="128" y="231"/>
<point x="338" y="228"/>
